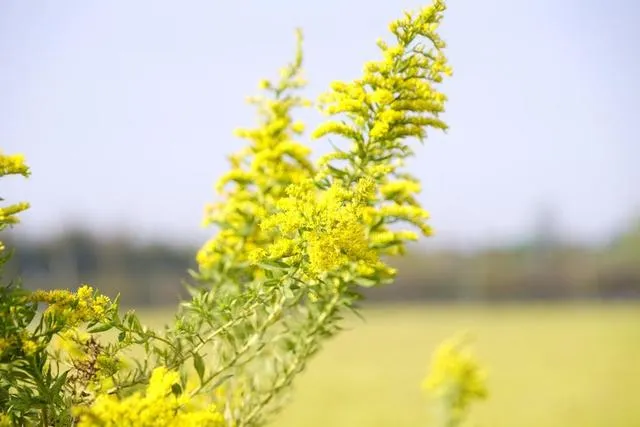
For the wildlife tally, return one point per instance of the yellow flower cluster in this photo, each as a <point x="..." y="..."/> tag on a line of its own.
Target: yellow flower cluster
<point x="24" y="341"/>
<point x="260" y="172"/>
<point x="401" y="190"/>
<point x="281" y="208"/>
<point x="29" y="347"/>
<point x="13" y="165"/>
<point x="159" y="406"/>
<point x="323" y="229"/>
<point x="8" y="215"/>
<point x="86" y="305"/>
<point x="395" y="99"/>
<point x="456" y="378"/>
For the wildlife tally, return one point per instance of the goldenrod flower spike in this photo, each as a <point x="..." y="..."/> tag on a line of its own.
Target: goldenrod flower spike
<point x="455" y="379"/>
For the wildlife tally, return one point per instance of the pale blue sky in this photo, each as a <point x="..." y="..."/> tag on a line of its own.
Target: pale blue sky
<point x="125" y="108"/>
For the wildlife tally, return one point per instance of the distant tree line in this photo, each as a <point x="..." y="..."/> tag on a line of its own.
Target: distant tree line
<point x="541" y="269"/>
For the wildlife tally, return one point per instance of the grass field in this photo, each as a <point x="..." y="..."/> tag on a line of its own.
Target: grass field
<point x="549" y="366"/>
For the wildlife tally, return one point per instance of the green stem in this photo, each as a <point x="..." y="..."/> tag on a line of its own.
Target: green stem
<point x="295" y="366"/>
<point x="255" y="337"/>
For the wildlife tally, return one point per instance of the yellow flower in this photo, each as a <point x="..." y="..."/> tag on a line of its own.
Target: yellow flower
<point x="5" y="421"/>
<point x="400" y="190"/>
<point x="455" y="378"/>
<point x="13" y="165"/>
<point x="158" y="406"/>
<point x="381" y="96"/>
<point x="86" y="305"/>
<point x="326" y="227"/>
<point x="8" y="214"/>
<point x="29" y="347"/>
<point x="260" y="175"/>
<point x="84" y="292"/>
<point x="297" y="127"/>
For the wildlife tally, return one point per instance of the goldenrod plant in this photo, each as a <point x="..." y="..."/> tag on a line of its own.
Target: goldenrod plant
<point x="455" y="381"/>
<point x="295" y="241"/>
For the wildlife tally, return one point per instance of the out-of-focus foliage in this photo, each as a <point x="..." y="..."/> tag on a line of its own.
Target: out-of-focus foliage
<point x="151" y="275"/>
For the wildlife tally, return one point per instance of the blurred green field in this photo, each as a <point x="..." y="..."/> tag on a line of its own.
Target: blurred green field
<point x="551" y="366"/>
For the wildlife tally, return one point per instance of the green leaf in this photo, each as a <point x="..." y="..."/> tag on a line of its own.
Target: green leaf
<point x="273" y="265"/>
<point x="99" y="328"/>
<point x="367" y="283"/>
<point x="198" y="364"/>
<point x="271" y="283"/>
<point x="57" y="385"/>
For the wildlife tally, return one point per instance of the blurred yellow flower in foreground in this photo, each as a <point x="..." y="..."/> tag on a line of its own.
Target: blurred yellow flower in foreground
<point x="455" y="379"/>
